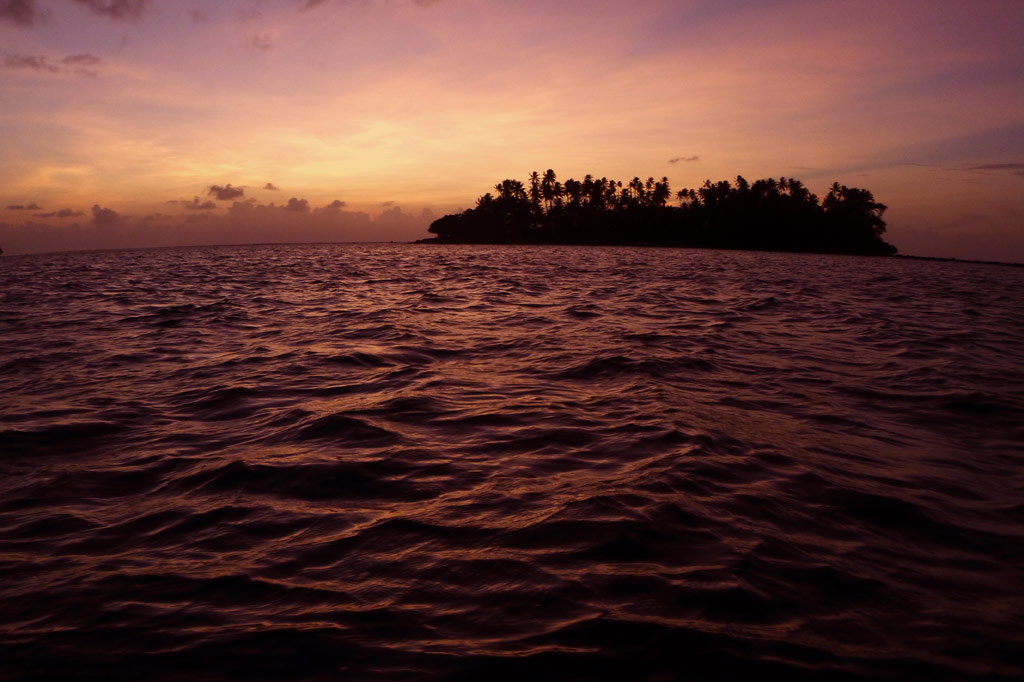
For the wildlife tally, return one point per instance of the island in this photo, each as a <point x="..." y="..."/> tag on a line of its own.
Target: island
<point x="766" y="215"/>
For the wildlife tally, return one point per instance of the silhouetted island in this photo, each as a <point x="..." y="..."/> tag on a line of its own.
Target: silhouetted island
<point x="768" y="215"/>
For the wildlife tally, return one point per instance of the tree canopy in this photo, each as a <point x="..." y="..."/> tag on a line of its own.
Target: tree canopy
<point x="768" y="214"/>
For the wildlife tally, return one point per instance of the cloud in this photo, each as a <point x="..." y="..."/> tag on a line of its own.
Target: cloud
<point x="975" y="234"/>
<point x="196" y="205"/>
<point x="116" y="9"/>
<point x="18" y="11"/>
<point x="1015" y="168"/>
<point x="62" y="213"/>
<point x="684" y="159"/>
<point x="104" y="217"/>
<point x="24" y="12"/>
<point x="310" y="4"/>
<point x="225" y="193"/>
<point x="272" y="187"/>
<point x="24" y="61"/>
<point x="387" y="204"/>
<point x="23" y="207"/>
<point x="297" y="205"/>
<point x="81" y="60"/>
<point x="243" y="223"/>
<point x="262" y="42"/>
<point x="334" y="207"/>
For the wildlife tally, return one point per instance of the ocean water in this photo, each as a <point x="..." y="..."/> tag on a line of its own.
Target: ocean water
<point x="423" y="462"/>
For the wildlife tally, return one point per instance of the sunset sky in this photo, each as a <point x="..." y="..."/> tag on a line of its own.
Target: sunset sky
<point x="135" y="122"/>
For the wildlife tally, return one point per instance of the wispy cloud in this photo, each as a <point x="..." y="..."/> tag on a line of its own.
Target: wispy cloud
<point x="272" y="187"/>
<point x="116" y="9"/>
<point x="76" y="64"/>
<point x="1015" y="168"/>
<point x="62" y="213"/>
<point x="197" y="205"/>
<point x="19" y="11"/>
<point x="24" y="61"/>
<point x="81" y="60"/>
<point x="25" y="12"/>
<point x="684" y="159"/>
<point x="310" y="4"/>
<point x="24" y="207"/>
<point x="262" y="42"/>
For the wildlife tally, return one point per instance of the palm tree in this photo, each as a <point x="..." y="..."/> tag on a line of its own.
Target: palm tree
<point x="634" y="193"/>
<point x="574" y="190"/>
<point x="660" y="193"/>
<point x="558" y="191"/>
<point x="598" y="194"/>
<point x="856" y="220"/>
<point x="797" y="190"/>
<point x="535" y="194"/>
<point x="611" y="193"/>
<point x="547" y="187"/>
<point x="588" y="187"/>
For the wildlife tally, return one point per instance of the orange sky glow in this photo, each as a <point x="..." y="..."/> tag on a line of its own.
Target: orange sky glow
<point x="365" y="119"/>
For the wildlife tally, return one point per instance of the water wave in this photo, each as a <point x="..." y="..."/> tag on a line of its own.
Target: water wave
<point x="392" y="462"/>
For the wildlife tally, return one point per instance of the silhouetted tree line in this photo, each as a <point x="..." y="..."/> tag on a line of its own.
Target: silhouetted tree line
<point x="776" y="215"/>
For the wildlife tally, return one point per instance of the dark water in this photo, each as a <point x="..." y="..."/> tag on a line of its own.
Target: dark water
<point x="422" y="462"/>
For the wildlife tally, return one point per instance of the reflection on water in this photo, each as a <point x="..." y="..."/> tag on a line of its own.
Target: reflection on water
<point x="422" y="462"/>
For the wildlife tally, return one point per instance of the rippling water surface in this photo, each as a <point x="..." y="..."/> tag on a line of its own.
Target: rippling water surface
<point x="416" y="462"/>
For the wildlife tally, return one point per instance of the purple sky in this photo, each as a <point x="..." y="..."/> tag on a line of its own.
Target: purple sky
<point x="120" y="117"/>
